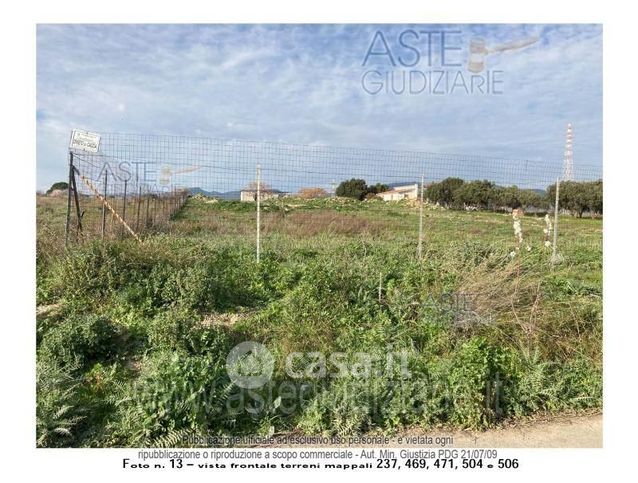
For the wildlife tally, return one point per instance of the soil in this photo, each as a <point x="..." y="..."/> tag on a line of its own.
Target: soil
<point x="567" y="431"/>
<point x="560" y="432"/>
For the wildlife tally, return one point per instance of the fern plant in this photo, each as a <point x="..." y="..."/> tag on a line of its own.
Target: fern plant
<point x="535" y="387"/>
<point x="57" y="411"/>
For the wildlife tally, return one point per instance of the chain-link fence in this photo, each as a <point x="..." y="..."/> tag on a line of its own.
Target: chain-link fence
<point x="136" y="183"/>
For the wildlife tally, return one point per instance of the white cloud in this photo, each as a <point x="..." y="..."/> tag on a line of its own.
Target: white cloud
<point x="301" y="84"/>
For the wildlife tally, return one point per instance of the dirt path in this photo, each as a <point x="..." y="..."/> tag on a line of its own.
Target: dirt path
<point x="563" y="432"/>
<point x="584" y="431"/>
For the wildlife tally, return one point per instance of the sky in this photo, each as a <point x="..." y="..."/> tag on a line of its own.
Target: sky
<point x="307" y="84"/>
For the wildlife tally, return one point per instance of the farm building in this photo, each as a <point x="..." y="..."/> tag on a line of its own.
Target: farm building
<point x="402" y="192"/>
<point x="265" y="193"/>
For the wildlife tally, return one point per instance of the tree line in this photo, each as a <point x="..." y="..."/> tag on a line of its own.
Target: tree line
<point x="576" y="197"/>
<point x="454" y="193"/>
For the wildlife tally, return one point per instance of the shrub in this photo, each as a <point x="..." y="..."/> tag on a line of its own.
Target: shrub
<point x="534" y="385"/>
<point x="180" y="330"/>
<point x="352" y="404"/>
<point x="475" y="380"/>
<point x="541" y="385"/>
<point x="79" y="340"/>
<point x="168" y="330"/>
<point x="582" y="384"/>
<point x="60" y="185"/>
<point x="89" y="273"/>
<point x="175" y="391"/>
<point x="158" y="276"/>
<point x="312" y="193"/>
<point x="220" y="280"/>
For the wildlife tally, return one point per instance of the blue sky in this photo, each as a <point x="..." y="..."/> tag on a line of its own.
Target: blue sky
<point x="302" y="84"/>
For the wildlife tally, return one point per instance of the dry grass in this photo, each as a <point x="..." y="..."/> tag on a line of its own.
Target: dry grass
<point x="309" y="224"/>
<point x="504" y="294"/>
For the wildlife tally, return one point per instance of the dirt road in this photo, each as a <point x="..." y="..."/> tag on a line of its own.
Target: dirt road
<point x="583" y="431"/>
<point x="563" y="432"/>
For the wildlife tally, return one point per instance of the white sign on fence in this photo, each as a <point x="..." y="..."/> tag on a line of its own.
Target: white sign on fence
<point x="85" y="141"/>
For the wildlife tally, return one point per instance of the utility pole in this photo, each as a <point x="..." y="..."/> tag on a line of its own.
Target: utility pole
<point x="568" y="158"/>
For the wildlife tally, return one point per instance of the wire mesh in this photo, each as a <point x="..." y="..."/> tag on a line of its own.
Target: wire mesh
<point x="204" y="185"/>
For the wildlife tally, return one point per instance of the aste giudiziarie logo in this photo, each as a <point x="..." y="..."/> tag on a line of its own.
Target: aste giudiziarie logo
<point x="434" y="61"/>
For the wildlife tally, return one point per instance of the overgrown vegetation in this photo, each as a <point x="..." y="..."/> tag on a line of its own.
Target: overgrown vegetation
<point x="133" y="344"/>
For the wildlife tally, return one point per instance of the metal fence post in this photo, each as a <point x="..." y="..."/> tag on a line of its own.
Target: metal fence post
<point x="175" y="202"/>
<point x="258" y="213"/>
<point x="137" y="214"/>
<point x="78" y="211"/>
<point x="106" y="179"/>
<point x="420" y="247"/>
<point x="556" y="201"/>
<point x="68" y="202"/>
<point x="124" y="201"/>
<point x="148" y="202"/>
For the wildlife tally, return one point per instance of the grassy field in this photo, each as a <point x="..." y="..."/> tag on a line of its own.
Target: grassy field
<point x="133" y="339"/>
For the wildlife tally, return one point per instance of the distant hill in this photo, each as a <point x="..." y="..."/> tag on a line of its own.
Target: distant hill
<point x="228" y="195"/>
<point x="199" y="191"/>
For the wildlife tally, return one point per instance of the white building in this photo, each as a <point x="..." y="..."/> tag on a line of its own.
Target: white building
<point x="251" y="195"/>
<point x="398" y="193"/>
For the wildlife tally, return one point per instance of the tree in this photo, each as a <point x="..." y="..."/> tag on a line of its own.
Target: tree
<point x="573" y="196"/>
<point x="514" y="197"/>
<point x="508" y="197"/>
<point x="377" y="188"/>
<point x="358" y="189"/>
<point x="476" y="193"/>
<point x="594" y="195"/>
<point x="443" y="192"/>
<point x="578" y="197"/>
<point x="353" y="188"/>
<point x="60" y="185"/>
<point x="531" y="198"/>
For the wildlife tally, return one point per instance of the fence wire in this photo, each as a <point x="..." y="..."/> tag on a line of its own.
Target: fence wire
<point x="138" y="183"/>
